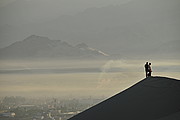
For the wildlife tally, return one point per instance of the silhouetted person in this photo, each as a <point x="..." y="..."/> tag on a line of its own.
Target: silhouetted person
<point x="146" y="68"/>
<point x="149" y="69"/>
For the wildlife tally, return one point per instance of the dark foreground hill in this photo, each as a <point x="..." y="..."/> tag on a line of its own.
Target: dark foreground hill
<point x="154" y="98"/>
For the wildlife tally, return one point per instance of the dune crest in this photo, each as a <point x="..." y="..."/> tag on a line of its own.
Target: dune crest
<point x="153" y="98"/>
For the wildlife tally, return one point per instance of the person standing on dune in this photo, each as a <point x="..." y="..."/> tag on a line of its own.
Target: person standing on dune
<point x="149" y="69"/>
<point x="146" y="68"/>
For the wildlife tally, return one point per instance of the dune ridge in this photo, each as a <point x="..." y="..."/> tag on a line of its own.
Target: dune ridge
<point x="153" y="98"/>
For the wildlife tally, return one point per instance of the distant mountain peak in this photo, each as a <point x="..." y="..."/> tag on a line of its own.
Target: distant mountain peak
<point x="42" y="47"/>
<point x="82" y="45"/>
<point x="35" y="37"/>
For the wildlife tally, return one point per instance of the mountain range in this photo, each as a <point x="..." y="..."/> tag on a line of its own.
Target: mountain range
<point x="136" y="28"/>
<point x="42" y="47"/>
<point x="154" y="98"/>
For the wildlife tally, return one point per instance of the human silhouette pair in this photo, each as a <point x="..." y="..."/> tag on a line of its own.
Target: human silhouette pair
<point x="148" y="69"/>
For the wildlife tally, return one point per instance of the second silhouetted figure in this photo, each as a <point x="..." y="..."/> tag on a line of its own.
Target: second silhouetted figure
<point x="149" y="69"/>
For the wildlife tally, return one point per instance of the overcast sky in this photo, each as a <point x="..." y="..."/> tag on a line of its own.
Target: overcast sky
<point x="24" y="11"/>
<point x="112" y="26"/>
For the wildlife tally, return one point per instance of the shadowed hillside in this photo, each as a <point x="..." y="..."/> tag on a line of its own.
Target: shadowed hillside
<point x="154" y="98"/>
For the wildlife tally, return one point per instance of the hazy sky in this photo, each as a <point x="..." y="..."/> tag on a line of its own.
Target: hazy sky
<point x="75" y="83"/>
<point x="24" y="11"/>
<point x="112" y="26"/>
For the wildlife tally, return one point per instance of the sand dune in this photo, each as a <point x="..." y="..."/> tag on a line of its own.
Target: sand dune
<point x="154" y="98"/>
<point x="174" y="116"/>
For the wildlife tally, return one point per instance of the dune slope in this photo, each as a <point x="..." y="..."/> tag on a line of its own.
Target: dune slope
<point x="154" y="98"/>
